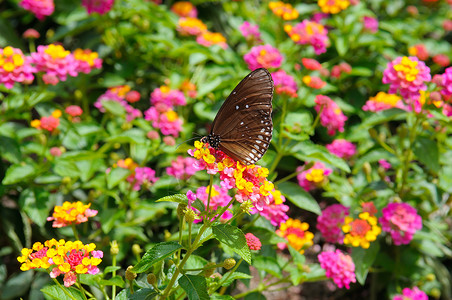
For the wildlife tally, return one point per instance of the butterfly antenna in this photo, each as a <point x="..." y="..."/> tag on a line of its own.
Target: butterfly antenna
<point x="194" y="138"/>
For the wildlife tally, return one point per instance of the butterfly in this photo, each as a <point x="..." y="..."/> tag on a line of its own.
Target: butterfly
<point x="243" y="127"/>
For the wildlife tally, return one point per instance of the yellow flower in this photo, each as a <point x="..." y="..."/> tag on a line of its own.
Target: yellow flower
<point x="56" y="51"/>
<point x="283" y="10"/>
<point x="360" y="232"/>
<point x="296" y="234"/>
<point x="333" y="6"/>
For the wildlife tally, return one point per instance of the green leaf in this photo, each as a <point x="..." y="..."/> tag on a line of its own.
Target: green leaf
<point x="426" y="150"/>
<point x="195" y="286"/>
<point x="113" y="107"/>
<point x="221" y="297"/>
<point x="10" y="150"/>
<point x="267" y="264"/>
<point x="18" y="173"/>
<point x="182" y="199"/>
<point x="227" y="280"/>
<point x="255" y="296"/>
<point x="36" y="204"/>
<point x="110" y="269"/>
<point x="16" y="285"/>
<point x="155" y="254"/>
<point x="363" y="260"/>
<point x="308" y="151"/>
<point x="298" y="258"/>
<point x="298" y="196"/>
<point x="116" y="175"/>
<point x="117" y="280"/>
<point x="383" y="117"/>
<point x="234" y="238"/>
<point x="56" y="292"/>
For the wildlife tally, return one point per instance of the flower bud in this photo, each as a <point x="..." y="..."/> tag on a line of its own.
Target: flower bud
<point x="229" y="263"/>
<point x="130" y="275"/>
<point x="246" y="206"/>
<point x="430" y="277"/>
<point x="136" y="249"/>
<point x="114" y="248"/>
<point x="152" y="279"/>
<point x="208" y="272"/>
<point x="190" y="215"/>
<point x="181" y="210"/>
<point x="367" y="168"/>
<point x="436" y="293"/>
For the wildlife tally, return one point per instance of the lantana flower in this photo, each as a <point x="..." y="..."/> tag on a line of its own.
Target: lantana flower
<point x="40" y="8"/>
<point x="311" y="64"/>
<point x="191" y="26"/>
<point x="313" y="177"/>
<point x="275" y="211"/>
<point x="49" y="123"/>
<point x="331" y="115"/>
<point x="263" y="56"/>
<point x="361" y="231"/>
<point x="144" y="176"/>
<point x="250" y="32"/>
<point x="419" y="50"/>
<point x="208" y="39"/>
<point x="309" y="32"/>
<point x="167" y="96"/>
<point x="118" y="94"/>
<point x="253" y="242"/>
<point x="184" y="9"/>
<point x="219" y="198"/>
<point x="313" y="82"/>
<point x="339" y="267"/>
<point x="333" y="6"/>
<point x="411" y="294"/>
<point x="284" y="83"/>
<point x="165" y="119"/>
<point x="15" y="67"/>
<point x="330" y="222"/>
<point x="342" y="148"/>
<point x="447" y="82"/>
<point x="370" y="24"/>
<point x="296" y="233"/>
<point x="68" y="258"/>
<point x="71" y="213"/>
<point x="401" y="221"/>
<point x="182" y="168"/>
<point x="383" y="101"/>
<point x="87" y="60"/>
<point x="56" y="62"/>
<point x="283" y="10"/>
<point x="99" y="6"/>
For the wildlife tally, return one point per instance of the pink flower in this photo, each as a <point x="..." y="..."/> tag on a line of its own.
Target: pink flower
<point x="118" y="94"/>
<point x="275" y="211"/>
<point x="153" y="135"/>
<point x="370" y="24"/>
<point x="442" y="60"/>
<point x="31" y="34"/>
<point x="342" y="148"/>
<point x="182" y="168"/>
<point x="15" y="67"/>
<point x="54" y="60"/>
<point x="339" y="267"/>
<point x="55" y="151"/>
<point x="401" y="221"/>
<point x="99" y="6"/>
<point x="383" y="101"/>
<point x="87" y="60"/>
<point x="384" y="164"/>
<point x="331" y="115"/>
<point x="284" y="83"/>
<point x="313" y="177"/>
<point x="74" y="110"/>
<point x="311" y="64"/>
<point x="219" y="198"/>
<point x="165" y="119"/>
<point x="407" y="75"/>
<point x="40" y="8"/>
<point x="309" y="32"/>
<point x="411" y="294"/>
<point x="49" y="123"/>
<point x="143" y="176"/>
<point x="209" y="39"/>
<point x="330" y="222"/>
<point x="250" y="32"/>
<point x="133" y="96"/>
<point x="447" y="82"/>
<point x="170" y="98"/>
<point x="253" y="242"/>
<point x="264" y="56"/>
<point x="169" y="140"/>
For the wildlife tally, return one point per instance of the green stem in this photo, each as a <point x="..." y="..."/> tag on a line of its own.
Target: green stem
<point x="181" y="227"/>
<point x="262" y="288"/>
<point x="64" y="289"/>
<point x="209" y="196"/>
<point x="223" y="210"/>
<point x="248" y="225"/>
<point x="74" y="230"/>
<point x="234" y="217"/>
<point x="113" y="274"/>
<point x="316" y="121"/>
<point x="204" y="268"/>
<point x="276" y="161"/>
<point x="290" y="176"/>
<point x="81" y="288"/>
<point x="189" y="233"/>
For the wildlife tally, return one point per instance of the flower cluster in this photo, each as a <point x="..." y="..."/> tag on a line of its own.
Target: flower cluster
<point x="313" y="177"/>
<point x="218" y="198"/>
<point x="15" y="67"/>
<point x="370" y="24"/>
<point x="442" y="60"/>
<point x="383" y="101"/>
<point x="296" y="233"/>
<point x="87" y="60"/>
<point x="191" y="26"/>
<point x="274" y="211"/>
<point x="284" y="83"/>
<point x="408" y="76"/>
<point x="309" y="32"/>
<point x="401" y="221"/>
<point x="208" y="39"/>
<point x="360" y="232"/>
<point x="118" y="94"/>
<point x="56" y="62"/>
<point x="71" y="213"/>
<point x="419" y="50"/>
<point x="313" y="82"/>
<point x="99" y="6"/>
<point x="263" y="56"/>
<point x="128" y="164"/>
<point x="165" y="119"/>
<point x="339" y="267"/>
<point x="342" y="148"/>
<point x="283" y="10"/>
<point x="411" y="294"/>
<point x="68" y="258"/>
<point x="330" y="222"/>
<point x="311" y="64"/>
<point x="447" y="82"/>
<point x="49" y="123"/>
<point x="182" y="168"/>
<point x="333" y="6"/>
<point x="250" y="32"/>
<point x="253" y="242"/>
<point x="331" y="115"/>
<point x="40" y="8"/>
<point x="165" y="95"/>
<point x="184" y="9"/>
<point x="143" y="176"/>
<point x="337" y="70"/>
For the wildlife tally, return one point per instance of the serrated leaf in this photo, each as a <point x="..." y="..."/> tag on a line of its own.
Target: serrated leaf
<point x="56" y="292"/>
<point x="383" y="117"/>
<point x="182" y="199"/>
<point x="234" y="238"/>
<point x="117" y="280"/>
<point x="35" y="203"/>
<point x="18" y="173"/>
<point x="195" y="286"/>
<point x="228" y="279"/>
<point x="116" y="175"/>
<point x="155" y="254"/>
<point x="363" y="260"/>
<point x="298" y="196"/>
<point x="426" y="150"/>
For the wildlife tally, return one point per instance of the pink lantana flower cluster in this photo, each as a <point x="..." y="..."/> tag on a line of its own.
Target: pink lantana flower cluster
<point x="56" y="62"/>
<point x="339" y="267"/>
<point x="144" y="176"/>
<point x="182" y="168"/>
<point x="370" y="24"/>
<point x="313" y="177"/>
<point x="331" y="115"/>
<point x="263" y="56"/>
<point x="284" y="83"/>
<point x="330" y="222"/>
<point x="383" y="101"/>
<point x="98" y="6"/>
<point x="250" y="32"/>
<point x="40" y="8"/>
<point x="342" y="148"/>
<point x="401" y="221"/>
<point x="275" y="211"/>
<point x="309" y="32"/>
<point x="253" y="242"/>
<point x="118" y="94"/>
<point x="411" y="294"/>
<point x="446" y="79"/>
<point x="15" y="67"/>
<point x="407" y="75"/>
<point x="87" y="60"/>
<point x="219" y="198"/>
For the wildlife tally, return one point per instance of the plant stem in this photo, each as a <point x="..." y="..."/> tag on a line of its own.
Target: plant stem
<point x="63" y="289"/>
<point x="189" y="233"/>
<point x="223" y="289"/>
<point x="262" y="288"/>
<point x="81" y="287"/>
<point x="222" y="211"/>
<point x="74" y="230"/>
<point x="209" y="196"/>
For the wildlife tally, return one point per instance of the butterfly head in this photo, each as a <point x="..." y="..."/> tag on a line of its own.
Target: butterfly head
<point x="212" y="140"/>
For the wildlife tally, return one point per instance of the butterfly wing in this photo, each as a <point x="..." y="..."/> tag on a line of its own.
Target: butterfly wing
<point x="244" y="123"/>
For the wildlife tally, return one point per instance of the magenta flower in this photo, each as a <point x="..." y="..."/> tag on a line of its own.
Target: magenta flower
<point x="143" y="175"/>
<point x="165" y="119"/>
<point x="330" y="222"/>
<point x="54" y="60"/>
<point x="331" y="115"/>
<point x="40" y="8"/>
<point x="339" y="267"/>
<point x="411" y="294"/>
<point x="274" y="211"/>
<point x="370" y="24"/>
<point x="309" y="32"/>
<point x="170" y="98"/>
<point x="253" y="242"/>
<point x="342" y="148"/>
<point x="447" y="82"/>
<point x="219" y="198"/>
<point x="250" y="32"/>
<point x="118" y="94"/>
<point x="384" y="164"/>
<point x="182" y="168"/>
<point x="407" y="75"/>
<point x="313" y="177"/>
<point x="401" y="221"/>
<point x="284" y="83"/>
<point x="264" y="56"/>
<point x="15" y="67"/>
<point x="87" y="60"/>
<point x="99" y="6"/>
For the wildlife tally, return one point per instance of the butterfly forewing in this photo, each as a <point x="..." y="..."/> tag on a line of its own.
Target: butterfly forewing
<point x="243" y="124"/>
